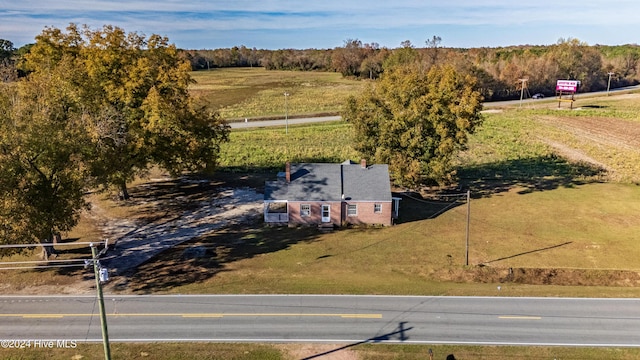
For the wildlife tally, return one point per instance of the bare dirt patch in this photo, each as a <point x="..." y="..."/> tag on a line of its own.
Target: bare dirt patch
<point x="322" y="351"/>
<point x="139" y="243"/>
<point x="610" y="131"/>
<point x="606" y="143"/>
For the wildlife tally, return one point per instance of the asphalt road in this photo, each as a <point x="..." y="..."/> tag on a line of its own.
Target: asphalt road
<point x="282" y="122"/>
<point x="329" y="318"/>
<point x="487" y="105"/>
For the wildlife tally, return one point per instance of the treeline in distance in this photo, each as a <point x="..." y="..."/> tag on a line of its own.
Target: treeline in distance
<point x="500" y="71"/>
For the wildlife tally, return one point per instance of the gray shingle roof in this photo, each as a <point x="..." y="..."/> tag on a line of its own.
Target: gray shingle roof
<point x="366" y="184"/>
<point x="328" y="182"/>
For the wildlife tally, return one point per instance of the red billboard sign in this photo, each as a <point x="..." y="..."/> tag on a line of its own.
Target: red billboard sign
<point x="567" y="85"/>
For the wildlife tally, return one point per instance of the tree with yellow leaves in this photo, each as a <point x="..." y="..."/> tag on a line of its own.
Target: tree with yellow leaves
<point x="135" y="99"/>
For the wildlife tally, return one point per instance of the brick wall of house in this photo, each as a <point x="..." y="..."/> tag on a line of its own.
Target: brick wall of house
<point x="315" y="217"/>
<point x="366" y="214"/>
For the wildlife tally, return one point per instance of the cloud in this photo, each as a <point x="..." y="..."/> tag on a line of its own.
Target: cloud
<point x="288" y="20"/>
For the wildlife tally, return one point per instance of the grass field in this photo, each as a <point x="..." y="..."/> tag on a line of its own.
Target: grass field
<point x="559" y="222"/>
<point x="179" y="351"/>
<point x="554" y="208"/>
<point x="267" y="149"/>
<point x="239" y="93"/>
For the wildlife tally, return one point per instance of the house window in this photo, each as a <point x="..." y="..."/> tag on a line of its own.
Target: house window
<point x="305" y="210"/>
<point x="352" y="210"/>
<point x="377" y="208"/>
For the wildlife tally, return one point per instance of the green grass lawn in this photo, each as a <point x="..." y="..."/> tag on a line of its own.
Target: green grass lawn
<point x="561" y="229"/>
<point x="262" y="149"/>
<point x="561" y="224"/>
<point x="541" y="206"/>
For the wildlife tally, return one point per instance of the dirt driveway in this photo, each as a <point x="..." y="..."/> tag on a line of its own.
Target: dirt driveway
<point x="136" y="244"/>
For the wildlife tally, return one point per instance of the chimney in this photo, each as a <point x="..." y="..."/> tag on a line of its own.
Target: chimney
<point x="363" y="163"/>
<point x="287" y="170"/>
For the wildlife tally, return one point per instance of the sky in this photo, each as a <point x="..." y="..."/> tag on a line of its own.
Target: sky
<point x="324" y="24"/>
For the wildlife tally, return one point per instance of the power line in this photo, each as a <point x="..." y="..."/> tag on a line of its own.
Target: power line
<point x="99" y="273"/>
<point x="49" y="244"/>
<point x="42" y="261"/>
<point x="42" y="267"/>
<point x="434" y="201"/>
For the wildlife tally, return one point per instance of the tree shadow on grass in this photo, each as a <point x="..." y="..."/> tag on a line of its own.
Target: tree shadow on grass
<point x="527" y="252"/>
<point x="160" y="201"/>
<point x="163" y="199"/>
<point x="203" y="258"/>
<point x="529" y="175"/>
<point x="413" y="207"/>
<point x="485" y="180"/>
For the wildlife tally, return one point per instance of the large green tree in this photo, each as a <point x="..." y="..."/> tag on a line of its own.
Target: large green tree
<point x="416" y="120"/>
<point x="43" y="178"/>
<point x="135" y="101"/>
<point x="98" y="107"/>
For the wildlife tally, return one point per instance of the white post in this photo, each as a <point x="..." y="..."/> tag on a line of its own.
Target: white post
<point x="524" y="83"/>
<point x="468" y="223"/>
<point x="286" y="113"/>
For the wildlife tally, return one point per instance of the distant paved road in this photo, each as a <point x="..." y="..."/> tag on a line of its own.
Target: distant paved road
<point x="487" y="105"/>
<point x="282" y="122"/>
<point x="616" y="91"/>
<point x="328" y="318"/>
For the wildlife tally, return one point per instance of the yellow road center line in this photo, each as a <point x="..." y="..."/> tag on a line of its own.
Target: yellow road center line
<point x="201" y="315"/>
<point x="520" y="317"/>
<point x="364" y="316"/>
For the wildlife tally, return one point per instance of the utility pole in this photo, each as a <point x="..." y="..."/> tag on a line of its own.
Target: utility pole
<point x="522" y="86"/>
<point x="609" y="82"/>
<point x="286" y="113"/>
<point x="468" y="223"/>
<point x="74" y="262"/>
<point x="103" y="316"/>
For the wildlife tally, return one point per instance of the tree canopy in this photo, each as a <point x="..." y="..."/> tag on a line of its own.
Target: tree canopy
<point x="416" y="120"/>
<point x="43" y="176"/>
<point x="135" y="101"/>
<point x="97" y="108"/>
<point x="498" y="69"/>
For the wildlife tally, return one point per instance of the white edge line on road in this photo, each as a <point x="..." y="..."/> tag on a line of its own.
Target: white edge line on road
<point x="114" y="296"/>
<point x="357" y="341"/>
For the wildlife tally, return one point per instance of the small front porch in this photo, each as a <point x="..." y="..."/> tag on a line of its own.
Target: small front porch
<point x="276" y="213"/>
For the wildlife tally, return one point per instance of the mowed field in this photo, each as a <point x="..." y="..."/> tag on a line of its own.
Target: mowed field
<point x="555" y="198"/>
<point x="550" y="213"/>
<point x="554" y="207"/>
<point x="239" y="93"/>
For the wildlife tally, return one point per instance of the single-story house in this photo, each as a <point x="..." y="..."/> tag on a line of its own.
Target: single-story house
<point x="330" y="195"/>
